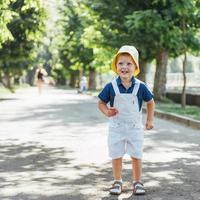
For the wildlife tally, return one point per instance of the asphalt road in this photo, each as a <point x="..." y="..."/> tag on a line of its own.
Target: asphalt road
<point x="53" y="147"/>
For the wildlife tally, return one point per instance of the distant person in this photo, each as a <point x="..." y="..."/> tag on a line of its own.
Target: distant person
<point x="83" y="84"/>
<point x="40" y="74"/>
<point x="126" y="133"/>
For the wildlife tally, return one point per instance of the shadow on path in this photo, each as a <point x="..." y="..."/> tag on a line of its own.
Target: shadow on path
<point x="63" y="114"/>
<point x="31" y="163"/>
<point x="32" y="171"/>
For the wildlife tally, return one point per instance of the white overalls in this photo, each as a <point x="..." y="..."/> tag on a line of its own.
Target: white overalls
<point x="125" y="129"/>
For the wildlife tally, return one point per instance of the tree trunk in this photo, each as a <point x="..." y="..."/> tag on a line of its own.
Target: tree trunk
<point x="74" y="76"/>
<point x="183" y="95"/>
<point x="92" y="79"/>
<point x="17" y="80"/>
<point x="142" y="74"/>
<point x="100" y="78"/>
<point x="6" y="81"/>
<point x="30" y="77"/>
<point x="160" y="75"/>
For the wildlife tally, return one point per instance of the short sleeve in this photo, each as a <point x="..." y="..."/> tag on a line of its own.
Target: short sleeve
<point x="147" y="95"/>
<point x="104" y="95"/>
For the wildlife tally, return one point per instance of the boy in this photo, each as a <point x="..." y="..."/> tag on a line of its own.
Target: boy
<point x="125" y="95"/>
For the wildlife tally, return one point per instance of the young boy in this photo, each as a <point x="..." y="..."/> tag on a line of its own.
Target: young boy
<point x="125" y="95"/>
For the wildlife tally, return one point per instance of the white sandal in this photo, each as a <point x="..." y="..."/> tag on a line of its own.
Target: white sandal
<point x="138" y="188"/>
<point x="116" y="188"/>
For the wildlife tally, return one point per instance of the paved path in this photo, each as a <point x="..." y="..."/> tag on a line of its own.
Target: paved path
<point x="53" y="147"/>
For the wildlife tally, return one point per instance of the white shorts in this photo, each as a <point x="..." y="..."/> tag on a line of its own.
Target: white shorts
<point x="124" y="139"/>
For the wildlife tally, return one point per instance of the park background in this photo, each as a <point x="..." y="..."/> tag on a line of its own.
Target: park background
<point x="53" y="145"/>
<point x="75" y="38"/>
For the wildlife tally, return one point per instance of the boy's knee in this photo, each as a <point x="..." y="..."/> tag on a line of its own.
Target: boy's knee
<point x="117" y="159"/>
<point x="136" y="159"/>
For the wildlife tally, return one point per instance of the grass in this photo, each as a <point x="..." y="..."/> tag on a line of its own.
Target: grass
<point x="16" y="87"/>
<point x="4" y="91"/>
<point x="171" y="107"/>
<point x="64" y="87"/>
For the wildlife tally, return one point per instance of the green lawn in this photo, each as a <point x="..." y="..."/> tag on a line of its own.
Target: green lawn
<point x="64" y="87"/>
<point x="4" y="91"/>
<point x="170" y="107"/>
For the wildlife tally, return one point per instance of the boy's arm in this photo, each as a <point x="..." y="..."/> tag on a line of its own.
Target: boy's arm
<point x="109" y="112"/>
<point x="150" y="114"/>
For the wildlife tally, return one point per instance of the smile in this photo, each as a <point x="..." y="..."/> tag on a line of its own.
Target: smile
<point x="123" y="71"/>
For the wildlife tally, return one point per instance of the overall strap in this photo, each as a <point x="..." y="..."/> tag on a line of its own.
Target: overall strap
<point x="136" y="87"/>
<point x="115" y="87"/>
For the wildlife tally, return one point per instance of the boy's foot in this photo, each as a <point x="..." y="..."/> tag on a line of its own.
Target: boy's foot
<point x="138" y="188"/>
<point x="116" y="188"/>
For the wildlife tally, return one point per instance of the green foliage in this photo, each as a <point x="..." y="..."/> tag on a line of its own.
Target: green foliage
<point x="187" y="20"/>
<point x="154" y="31"/>
<point x="93" y="30"/>
<point x="111" y="20"/>
<point x="149" y="25"/>
<point x="6" y="16"/>
<point x="26" y="28"/>
<point x="96" y="29"/>
<point x="73" y="53"/>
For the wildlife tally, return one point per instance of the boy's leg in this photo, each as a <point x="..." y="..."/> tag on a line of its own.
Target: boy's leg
<point x="136" y="169"/>
<point x="117" y="174"/>
<point x="117" y="168"/>
<point x="138" y="187"/>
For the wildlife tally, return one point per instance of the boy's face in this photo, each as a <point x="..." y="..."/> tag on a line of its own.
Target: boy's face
<point x="125" y="66"/>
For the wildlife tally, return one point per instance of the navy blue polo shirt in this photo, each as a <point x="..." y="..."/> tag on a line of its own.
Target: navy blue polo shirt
<point x="107" y="95"/>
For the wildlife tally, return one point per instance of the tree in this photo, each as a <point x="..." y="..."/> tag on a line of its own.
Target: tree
<point x="149" y="25"/>
<point x="26" y="28"/>
<point x="160" y="37"/>
<point x="73" y="54"/>
<point x="187" y="19"/>
<point x="163" y="28"/>
<point x="111" y="22"/>
<point x="5" y="17"/>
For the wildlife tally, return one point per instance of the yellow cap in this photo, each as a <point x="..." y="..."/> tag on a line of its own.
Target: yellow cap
<point x="133" y="53"/>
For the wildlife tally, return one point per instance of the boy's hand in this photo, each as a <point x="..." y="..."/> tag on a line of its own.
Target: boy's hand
<point x="111" y="112"/>
<point x="149" y="124"/>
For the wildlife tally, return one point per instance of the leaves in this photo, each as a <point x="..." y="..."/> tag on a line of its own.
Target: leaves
<point x="6" y="16"/>
<point x="26" y="25"/>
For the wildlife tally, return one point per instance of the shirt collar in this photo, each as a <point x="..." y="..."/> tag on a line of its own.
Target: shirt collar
<point x="119" y="81"/>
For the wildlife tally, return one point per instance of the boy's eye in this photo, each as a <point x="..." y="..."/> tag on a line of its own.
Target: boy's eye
<point x="124" y="64"/>
<point x="121" y="63"/>
<point x="130" y="64"/>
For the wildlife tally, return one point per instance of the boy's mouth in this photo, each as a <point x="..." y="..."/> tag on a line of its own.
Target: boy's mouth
<point x="124" y="71"/>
